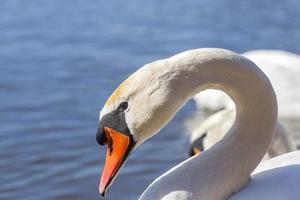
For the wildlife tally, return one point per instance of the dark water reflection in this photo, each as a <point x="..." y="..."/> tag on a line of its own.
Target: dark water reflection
<point x="60" y="60"/>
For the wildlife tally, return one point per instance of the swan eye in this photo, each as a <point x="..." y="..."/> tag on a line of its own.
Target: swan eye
<point x="123" y="106"/>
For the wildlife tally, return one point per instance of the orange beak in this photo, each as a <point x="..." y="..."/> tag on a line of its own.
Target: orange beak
<point x="118" y="147"/>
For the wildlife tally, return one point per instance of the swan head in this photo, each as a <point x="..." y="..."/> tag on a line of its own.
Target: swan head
<point x="134" y="112"/>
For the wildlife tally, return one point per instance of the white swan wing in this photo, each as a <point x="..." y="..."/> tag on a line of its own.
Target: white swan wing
<point x="292" y="158"/>
<point x="274" y="179"/>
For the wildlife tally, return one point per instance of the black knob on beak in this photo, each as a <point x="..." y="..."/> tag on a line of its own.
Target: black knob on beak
<point x="101" y="136"/>
<point x="115" y="120"/>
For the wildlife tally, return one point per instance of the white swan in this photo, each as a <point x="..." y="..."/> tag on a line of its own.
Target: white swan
<point x="212" y="129"/>
<point x="150" y="97"/>
<point x="283" y="69"/>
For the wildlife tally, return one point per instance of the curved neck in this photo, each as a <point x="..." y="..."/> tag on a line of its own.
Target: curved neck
<point x="226" y="167"/>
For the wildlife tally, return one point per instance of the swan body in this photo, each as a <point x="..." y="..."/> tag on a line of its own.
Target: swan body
<point x="283" y="69"/>
<point x="213" y="129"/>
<point x="268" y="179"/>
<point x="151" y="96"/>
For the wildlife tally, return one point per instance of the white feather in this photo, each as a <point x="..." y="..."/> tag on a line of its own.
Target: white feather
<point x="219" y="123"/>
<point x="283" y="70"/>
<point x="225" y="168"/>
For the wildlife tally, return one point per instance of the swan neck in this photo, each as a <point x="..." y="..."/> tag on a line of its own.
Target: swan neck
<point x="233" y="158"/>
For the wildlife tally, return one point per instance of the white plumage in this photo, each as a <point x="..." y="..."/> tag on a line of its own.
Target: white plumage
<point x="213" y="129"/>
<point x="158" y="90"/>
<point x="283" y="70"/>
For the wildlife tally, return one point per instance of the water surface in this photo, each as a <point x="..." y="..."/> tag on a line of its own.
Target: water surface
<point x="60" y="60"/>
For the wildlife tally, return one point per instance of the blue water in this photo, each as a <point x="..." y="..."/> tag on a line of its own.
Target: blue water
<point x="60" y="60"/>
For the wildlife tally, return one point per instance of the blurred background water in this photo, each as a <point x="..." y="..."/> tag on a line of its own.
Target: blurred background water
<point x="61" y="59"/>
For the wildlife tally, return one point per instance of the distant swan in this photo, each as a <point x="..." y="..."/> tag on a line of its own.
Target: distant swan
<point x="150" y="97"/>
<point x="283" y="69"/>
<point x="213" y="129"/>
